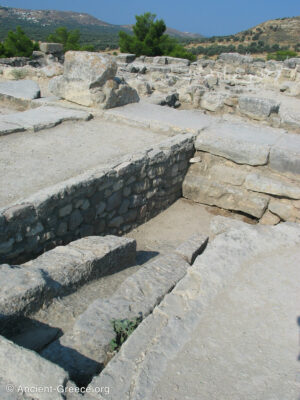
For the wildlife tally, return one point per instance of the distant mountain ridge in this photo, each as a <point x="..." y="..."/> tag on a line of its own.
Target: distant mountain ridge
<point x="38" y="24"/>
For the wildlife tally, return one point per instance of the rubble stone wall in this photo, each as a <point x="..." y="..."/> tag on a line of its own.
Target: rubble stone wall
<point x="113" y="200"/>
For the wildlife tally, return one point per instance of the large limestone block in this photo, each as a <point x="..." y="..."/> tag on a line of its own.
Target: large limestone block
<point x="26" y="369"/>
<point x="20" y="291"/>
<point x="206" y="191"/>
<point x="285" y="209"/>
<point x="83" y="260"/>
<point x="258" y="108"/>
<point x="279" y="187"/>
<point x="23" y="89"/>
<point x="235" y="58"/>
<point x="92" y="68"/>
<point x="285" y="155"/>
<point x="51" y="48"/>
<point x="89" y="80"/>
<point x="243" y="144"/>
<point x="212" y="101"/>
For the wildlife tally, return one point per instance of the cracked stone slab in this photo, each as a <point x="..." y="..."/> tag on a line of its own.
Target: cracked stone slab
<point x="241" y="143"/>
<point x="41" y="118"/>
<point x="22" y="89"/>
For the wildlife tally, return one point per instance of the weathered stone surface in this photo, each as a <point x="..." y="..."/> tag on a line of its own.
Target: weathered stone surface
<point x="236" y="58"/>
<point x="83" y="351"/>
<point x="23" y="89"/>
<point x="87" y="204"/>
<point x="26" y="369"/>
<point x="51" y="48"/>
<point x="203" y="190"/>
<point x="194" y="246"/>
<point x="272" y="185"/>
<point x="21" y="292"/>
<point x="26" y="288"/>
<point x="285" y="210"/>
<point x="285" y="154"/>
<point x="240" y="143"/>
<point x="41" y="118"/>
<point x="163" y="339"/>
<point x="258" y="108"/>
<point x="212" y="101"/>
<point x="83" y="260"/>
<point x="269" y="219"/>
<point x="89" y="79"/>
<point x="126" y="57"/>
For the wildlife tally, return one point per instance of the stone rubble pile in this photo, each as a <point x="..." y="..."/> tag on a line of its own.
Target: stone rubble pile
<point x="232" y="84"/>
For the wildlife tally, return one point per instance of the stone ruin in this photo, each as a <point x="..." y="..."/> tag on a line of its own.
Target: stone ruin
<point x="90" y="79"/>
<point x="148" y="132"/>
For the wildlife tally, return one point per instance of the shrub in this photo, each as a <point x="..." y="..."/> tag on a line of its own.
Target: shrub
<point x="18" y="44"/>
<point x="149" y="39"/>
<point x="281" y="55"/>
<point x="123" y="328"/>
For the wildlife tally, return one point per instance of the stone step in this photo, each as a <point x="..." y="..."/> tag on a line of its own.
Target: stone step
<point x="26" y="288"/>
<point x="83" y="351"/>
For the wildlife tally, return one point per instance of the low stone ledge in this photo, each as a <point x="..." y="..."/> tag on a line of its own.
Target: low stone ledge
<point x="22" y="368"/>
<point x="82" y="352"/>
<point x="26" y="288"/>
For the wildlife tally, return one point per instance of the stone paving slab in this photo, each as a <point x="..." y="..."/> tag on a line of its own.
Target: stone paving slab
<point x="241" y="143"/>
<point x="41" y="118"/>
<point x="161" y="119"/>
<point x="227" y="330"/>
<point x="22" y="89"/>
<point x="31" y="161"/>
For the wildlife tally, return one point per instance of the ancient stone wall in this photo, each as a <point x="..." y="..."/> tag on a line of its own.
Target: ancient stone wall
<point x="110" y="200"/>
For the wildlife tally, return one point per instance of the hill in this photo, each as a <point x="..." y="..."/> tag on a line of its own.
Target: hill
<point x="38" y="24"/>
<point x="272" y="35"/>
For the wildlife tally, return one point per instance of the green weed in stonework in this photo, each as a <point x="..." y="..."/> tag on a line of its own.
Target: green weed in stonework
<point x="123" y="329"/>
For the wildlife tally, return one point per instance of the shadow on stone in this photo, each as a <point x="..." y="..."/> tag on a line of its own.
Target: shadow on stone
<point x="33" y="335"/>
<point x="143" y="256"/>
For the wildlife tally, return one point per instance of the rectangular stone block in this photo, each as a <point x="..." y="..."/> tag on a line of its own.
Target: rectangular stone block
<point x="25" y="369"/>
<point x="243" y="144"/>
<point x="206" y="191"/>
<point x="191" y="248"/>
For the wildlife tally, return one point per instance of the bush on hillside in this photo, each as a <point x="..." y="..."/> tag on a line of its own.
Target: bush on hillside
<point x="149" y="39"/>
<point x="281" y="55"/>
<point x="17" y="44"/>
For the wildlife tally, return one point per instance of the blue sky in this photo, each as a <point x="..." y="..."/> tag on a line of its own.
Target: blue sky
<point x="214" y="17"/>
